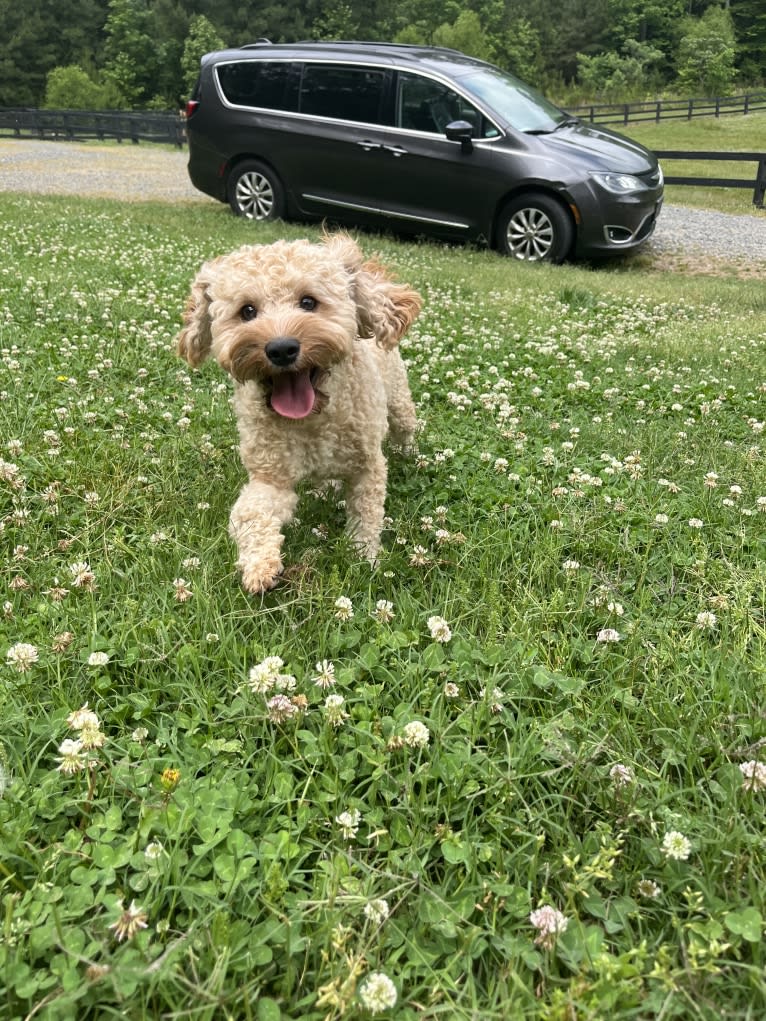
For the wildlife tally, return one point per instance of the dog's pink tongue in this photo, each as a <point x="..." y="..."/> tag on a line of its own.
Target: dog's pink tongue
<point x="292" y="395"/>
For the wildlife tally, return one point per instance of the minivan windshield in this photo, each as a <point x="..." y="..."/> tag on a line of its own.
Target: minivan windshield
<point x="521" y="106"/>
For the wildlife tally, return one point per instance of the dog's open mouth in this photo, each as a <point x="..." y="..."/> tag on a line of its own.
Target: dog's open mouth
<point x="295" y="394"/>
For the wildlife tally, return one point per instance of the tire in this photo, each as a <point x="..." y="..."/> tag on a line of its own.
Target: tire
<point x="535" y="228"/>
<point x="256" y="192"/>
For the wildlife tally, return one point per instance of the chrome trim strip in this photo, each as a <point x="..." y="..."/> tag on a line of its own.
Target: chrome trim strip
<point x="384" y="212"/>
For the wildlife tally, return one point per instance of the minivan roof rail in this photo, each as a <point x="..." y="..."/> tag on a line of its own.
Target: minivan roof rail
<point x="258" y="42"/>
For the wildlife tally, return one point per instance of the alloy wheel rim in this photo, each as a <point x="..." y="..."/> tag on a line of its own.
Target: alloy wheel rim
<point x="255" y="196"/>
<point x="530" y="234"/>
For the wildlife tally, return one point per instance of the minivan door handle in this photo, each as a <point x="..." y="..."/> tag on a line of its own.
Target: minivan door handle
<point x="395" y="150"/>
<point x="368" y="145"/>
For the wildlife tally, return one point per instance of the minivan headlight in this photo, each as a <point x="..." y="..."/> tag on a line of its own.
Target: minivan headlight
<point x="619" y="184"/>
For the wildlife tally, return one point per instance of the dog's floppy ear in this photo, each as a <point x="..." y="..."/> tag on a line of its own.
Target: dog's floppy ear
<point x="194" y="341"/>
<point x="384" y="309"/>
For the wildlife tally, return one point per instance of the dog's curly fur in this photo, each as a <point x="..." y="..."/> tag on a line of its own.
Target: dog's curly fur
<point x="309" y="332"/>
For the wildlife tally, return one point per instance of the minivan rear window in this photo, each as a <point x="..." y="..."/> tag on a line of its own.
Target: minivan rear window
<point x="342" y="92"/>
<point x="261" y="83"/>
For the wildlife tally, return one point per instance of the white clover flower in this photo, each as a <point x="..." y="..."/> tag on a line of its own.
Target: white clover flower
<point x="439" y="628"/>
<point x="281" y="708"/>
<point x="571" y="565"/>
<point x="98" y="659"/>
<point x="335" y="713"/>
<point x="344" y="609"/>
<point x="621" y="776"/>
<point x="71" y="757"/>
<point x="91" y="736"/>
<point x="263" y="676"/>
<point x="139" y="735"/>
<point x="648" y="888"/>
<point x="416" y="734"/>
<point x="325" y="674"/>
<point x="549" y="923"/>
<point x="607" y="635"/>
<point x="153" y="851"/>
<point x="130" y="921"/>
<point x="349" y="823"/>
<point x="451" y="690"/>
<point x="377" y="911"/>
<point x="21" y="656"/>
<point x="182" y="591"/>
<point x="695" y="523"/>
<point x="384" y="611"/>
<point x="753" y="775"/>
<point x="377" y="993"/>
<point x="676" y="846"/>
<point x="706" y="620"/>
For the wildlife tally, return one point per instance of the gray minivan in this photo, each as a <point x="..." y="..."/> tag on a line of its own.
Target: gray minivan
<point x="416" y="139"/>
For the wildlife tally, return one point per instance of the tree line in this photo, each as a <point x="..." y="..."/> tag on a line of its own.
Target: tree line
<point x="144" y="54"/>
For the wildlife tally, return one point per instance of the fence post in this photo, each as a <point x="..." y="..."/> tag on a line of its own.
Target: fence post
<point x="659" y="111"/>
<point x="691" y="107"/>
<point x="747" y="96"/>
<point x="717" y="106"/>
<point x="760" y="184"/>
<point x="626" y="113"/>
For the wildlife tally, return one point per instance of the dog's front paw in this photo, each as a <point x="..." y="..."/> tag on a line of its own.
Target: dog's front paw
<point x="260" y="575"/>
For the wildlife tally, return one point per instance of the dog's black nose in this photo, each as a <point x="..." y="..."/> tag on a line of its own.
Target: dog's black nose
<point x="283" y="351"/>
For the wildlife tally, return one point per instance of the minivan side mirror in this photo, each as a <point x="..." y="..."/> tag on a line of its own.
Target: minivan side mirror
<point x="460" y="131"/>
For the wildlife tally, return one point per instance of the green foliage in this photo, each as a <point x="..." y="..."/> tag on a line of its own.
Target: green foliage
<point x="467" y="35"/>
<point x="585" y="510"/>
<point x="72" y="88"/>
<point x="611" y="77"/>
<point x="140" y="44"/>
<point x="202" y="38"/>
<point x="133" y="58"/>
<point x="521" y="51"/>
<point x="707" y="54"/>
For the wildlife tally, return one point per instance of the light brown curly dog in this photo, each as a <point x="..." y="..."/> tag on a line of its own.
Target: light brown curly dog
<point x="309" y="333"/>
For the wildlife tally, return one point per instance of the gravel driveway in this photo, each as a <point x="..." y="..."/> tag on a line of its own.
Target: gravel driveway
<point x="140" y="172"/>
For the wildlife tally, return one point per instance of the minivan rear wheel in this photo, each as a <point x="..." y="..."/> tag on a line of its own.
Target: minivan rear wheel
<point x="256" y="192"/>
<point x="535" y="228"/>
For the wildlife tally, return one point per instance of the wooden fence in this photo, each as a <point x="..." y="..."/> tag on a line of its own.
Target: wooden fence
<point x="79" y="125"/>
<point x="669" y="109"/>
<point x="758" y="185"/>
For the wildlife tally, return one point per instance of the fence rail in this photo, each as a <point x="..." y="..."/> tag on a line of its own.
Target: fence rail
<point x="79" y="125"/>
<point x="758" y="185"/>
<point x="669" y="109"/>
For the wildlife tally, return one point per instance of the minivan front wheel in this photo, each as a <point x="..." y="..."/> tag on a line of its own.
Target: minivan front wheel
<point x="535" y="228"/>
<point x="256" y="192"/>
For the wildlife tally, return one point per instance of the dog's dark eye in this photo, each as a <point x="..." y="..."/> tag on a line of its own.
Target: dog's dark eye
<point x="307" y="303"/>
<point x="248" y="312"/>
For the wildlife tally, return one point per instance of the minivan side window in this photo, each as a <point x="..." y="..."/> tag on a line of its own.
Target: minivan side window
<point x="262" y="83"/>
<point x="342" y="92"/>
<point x="423" y="104"/>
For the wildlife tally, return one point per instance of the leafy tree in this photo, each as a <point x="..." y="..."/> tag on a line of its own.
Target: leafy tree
<point x="338" y="21"/>
<point x="38" y="36"/>
<point x="202" y="38"/>
<point x="749" y="18"/>
<point x="72" y="88"/>
<point x="612" y="77"/>
<point x="133" y="57"/>
<point x="520" y="51"/>
<point x="467" y="35"/>
<point x="706" y="54"/>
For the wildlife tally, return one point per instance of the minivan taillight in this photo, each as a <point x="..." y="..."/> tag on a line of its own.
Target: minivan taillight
<point x="191" y="106"/>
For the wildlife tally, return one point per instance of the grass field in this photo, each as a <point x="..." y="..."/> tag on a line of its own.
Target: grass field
<point x="537" y="788"/>
<point x="707" y="134"/>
